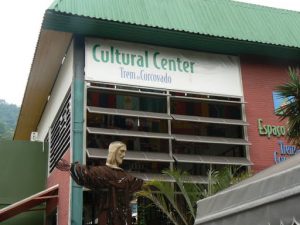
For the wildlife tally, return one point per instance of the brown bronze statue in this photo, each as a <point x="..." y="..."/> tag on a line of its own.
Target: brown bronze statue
<point x="114" y="186"/>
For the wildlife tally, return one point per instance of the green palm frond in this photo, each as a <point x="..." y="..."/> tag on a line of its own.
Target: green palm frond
<point x="163" y="195"/>
<point x="159" y="201"/>
<point x="291" y="110"/>
<point x="180" y="177"/>
<point x="168" y="196"/>
<point x="212" y="176"/>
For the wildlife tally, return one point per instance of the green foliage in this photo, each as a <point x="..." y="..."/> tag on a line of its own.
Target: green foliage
<point x="291" y="110"/>
<point x="142" y="216"/>
<point x="164" y="195"/>
<point x="8" y="119"/>
<point x="178" y="200"/>
<point x="219" y="180"/>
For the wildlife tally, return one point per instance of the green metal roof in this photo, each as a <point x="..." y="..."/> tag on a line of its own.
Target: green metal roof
<point x="220" y="26"/>
<point x="216" y="18"/>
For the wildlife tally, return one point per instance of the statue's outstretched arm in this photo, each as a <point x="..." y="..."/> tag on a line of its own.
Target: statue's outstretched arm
<point x="89" y="177"/>
<point x="75" y="170"/>
<point x="63" y="165"/>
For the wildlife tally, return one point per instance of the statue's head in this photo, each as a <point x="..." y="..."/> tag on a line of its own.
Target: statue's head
<point x="116" y="154"/>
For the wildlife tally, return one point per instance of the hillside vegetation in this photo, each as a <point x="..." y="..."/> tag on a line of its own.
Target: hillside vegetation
<point x="8" y="119"/>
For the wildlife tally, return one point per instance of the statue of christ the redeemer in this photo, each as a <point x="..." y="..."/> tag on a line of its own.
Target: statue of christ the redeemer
<point x="114" y="186"/>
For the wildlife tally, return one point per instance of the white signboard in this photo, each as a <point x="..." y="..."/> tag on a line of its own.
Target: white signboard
<point x="164" y="68"/>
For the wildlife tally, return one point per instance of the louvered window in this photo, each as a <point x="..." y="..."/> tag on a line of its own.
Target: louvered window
<point x="164" y="128"/>
<point x="59" y="133"/>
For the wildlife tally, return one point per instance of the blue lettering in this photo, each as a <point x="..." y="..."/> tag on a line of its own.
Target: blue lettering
<point x="282" y="150"/>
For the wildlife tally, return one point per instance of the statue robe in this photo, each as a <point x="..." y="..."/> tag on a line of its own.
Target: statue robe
<point x="114" y="203"/>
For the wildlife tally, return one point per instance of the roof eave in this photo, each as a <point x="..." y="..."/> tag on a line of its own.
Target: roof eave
<point x="88" y="26"/>
<point x="50" y="50"/>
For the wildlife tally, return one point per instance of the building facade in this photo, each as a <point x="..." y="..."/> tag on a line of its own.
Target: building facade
<point x="185" y="85"/>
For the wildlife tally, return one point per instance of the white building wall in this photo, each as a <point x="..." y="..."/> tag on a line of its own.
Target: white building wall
<point x="60" y="89"/>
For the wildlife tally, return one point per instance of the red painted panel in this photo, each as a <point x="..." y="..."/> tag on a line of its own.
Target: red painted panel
<point x="28" y="203"/>
<point x="63" y="179"/>
<point x="260" y="77"/>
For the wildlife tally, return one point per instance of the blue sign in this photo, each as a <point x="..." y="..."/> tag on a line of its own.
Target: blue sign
<point x="285" y="152"/>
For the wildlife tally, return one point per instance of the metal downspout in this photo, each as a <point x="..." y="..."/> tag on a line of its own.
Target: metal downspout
<point x="77" y="125"/>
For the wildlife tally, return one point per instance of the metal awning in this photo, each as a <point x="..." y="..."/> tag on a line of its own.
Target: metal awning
<point x="152" y="176"/>
<point x="132" y="155"/>
<point x="205" y="159"/>
<point x="132" y="113"/>
<point x="30" y="202"/>
<point x="200" y="119"/>
<point x="206" y="139"/>
<point x="196" y="179"/>
<point x="124" y="90"/>
<point x="207" y="99"/>
<point x="269" y="197"/>
<point x="128" y="133"/>
<point x="166" y="178"/>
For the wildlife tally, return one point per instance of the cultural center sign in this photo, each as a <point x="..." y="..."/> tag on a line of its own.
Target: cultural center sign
<point x="159" y="67"/>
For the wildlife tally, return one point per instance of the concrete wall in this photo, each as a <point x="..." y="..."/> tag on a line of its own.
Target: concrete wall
<point x="260" y="77"/>
<point x="23" y="173"/>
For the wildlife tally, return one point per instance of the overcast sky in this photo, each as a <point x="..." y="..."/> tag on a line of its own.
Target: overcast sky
<point x="20" y="23"/>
